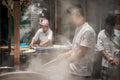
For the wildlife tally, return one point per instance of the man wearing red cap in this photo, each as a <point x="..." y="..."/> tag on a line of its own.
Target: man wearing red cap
<point x="44" y="34"/>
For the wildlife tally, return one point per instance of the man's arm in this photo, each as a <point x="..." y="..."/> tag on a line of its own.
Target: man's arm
<point x="45" y="42"/>
<point x="107" y="56"/>
<point x="100" y="47"/>
<point x="79" y="54"/>
<point x="35" y="38"/>
<point x="65" y="55"/>
<point x="68" y="53"/>
<point x="32" y="42"/>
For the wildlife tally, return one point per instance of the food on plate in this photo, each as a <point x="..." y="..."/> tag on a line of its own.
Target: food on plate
<point x="29" y="51"/>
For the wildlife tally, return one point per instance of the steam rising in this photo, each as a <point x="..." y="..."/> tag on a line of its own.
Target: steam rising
<point x="58" y="70"/>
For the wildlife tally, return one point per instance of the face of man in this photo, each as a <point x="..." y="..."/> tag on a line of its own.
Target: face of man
<point x="45" y="28"/>
<point x="109" y="28"/>
<point x="76" y="19"/>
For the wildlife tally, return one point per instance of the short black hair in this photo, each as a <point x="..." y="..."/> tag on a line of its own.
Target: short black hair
<point x="77" y="8"/>
<point x="110" y="23"/>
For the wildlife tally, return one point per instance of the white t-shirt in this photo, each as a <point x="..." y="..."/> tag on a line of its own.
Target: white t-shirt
<point x="43" y="36"/>
<point x="104" y="43"/>
<point x="84" y="36"/>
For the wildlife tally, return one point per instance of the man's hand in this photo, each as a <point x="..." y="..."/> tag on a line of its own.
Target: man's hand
<point x="64" y="56"/>
<point x="31" y="44"/>
<point x="111" y="60"/>
<point x="68" y="54"/>
<point x="117" y="62"/>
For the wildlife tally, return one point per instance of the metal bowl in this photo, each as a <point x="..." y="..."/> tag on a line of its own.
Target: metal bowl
<point x="5" y="69"/>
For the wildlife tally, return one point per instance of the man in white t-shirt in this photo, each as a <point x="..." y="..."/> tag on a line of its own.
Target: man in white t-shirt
<point x="82" y="54"/>
<point x="44" y="34"/>
<point x="108" y="44"/>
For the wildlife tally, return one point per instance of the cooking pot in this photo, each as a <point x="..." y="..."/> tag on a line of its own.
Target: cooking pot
<point x="22" y="75"/>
